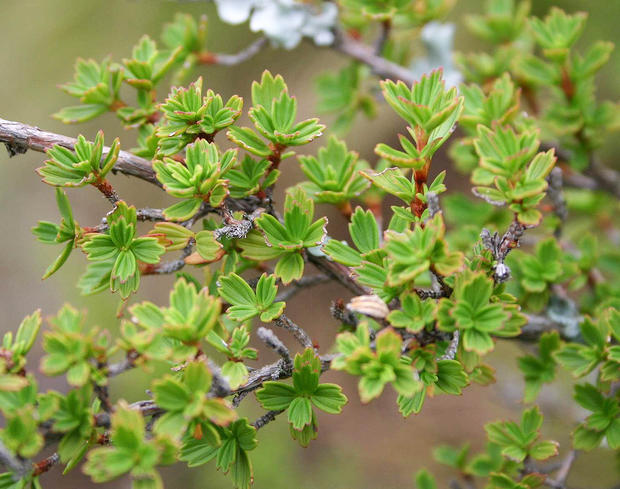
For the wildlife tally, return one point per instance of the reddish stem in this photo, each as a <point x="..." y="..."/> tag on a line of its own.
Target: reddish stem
<point x="44" y="465"/>
<point x="106" y="189"/>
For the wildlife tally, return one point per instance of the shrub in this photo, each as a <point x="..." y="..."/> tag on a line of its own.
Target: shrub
<point x="435" y="281"/>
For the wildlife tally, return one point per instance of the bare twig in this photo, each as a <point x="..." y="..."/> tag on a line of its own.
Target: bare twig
<point x="266" y="418"/>
<point x="19" y="138"/>
<point x="168" y="266"/>
<point x="365" y="54"/>
<point x="300" y="335"/>
<point x="559" y="482"/>
<point x="500" y="247"/>
<point x="127" y="363"/>
<point x="149" y="214"/>
<point x="268" y="337"/>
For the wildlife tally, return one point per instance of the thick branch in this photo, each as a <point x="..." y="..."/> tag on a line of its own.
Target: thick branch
<point x="19" y="138"/>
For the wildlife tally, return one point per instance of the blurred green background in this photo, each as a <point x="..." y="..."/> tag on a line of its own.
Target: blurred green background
<point x="369" y="446"/>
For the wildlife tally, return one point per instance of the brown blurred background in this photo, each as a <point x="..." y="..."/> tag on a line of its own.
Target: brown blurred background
<point x="369" y="446"/>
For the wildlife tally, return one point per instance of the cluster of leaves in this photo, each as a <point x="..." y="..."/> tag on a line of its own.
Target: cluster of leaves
<point x="116" y="255"/>
<point x="273" y="113"/>
<point x="473" y="311"/>
<point x="501" y="464"/>
<point x="299" y="398"/>
<point x="286" y="241"/>
<point x="82" y="166"/>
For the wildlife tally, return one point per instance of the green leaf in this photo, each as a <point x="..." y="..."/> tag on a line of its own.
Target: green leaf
<point x="393" y="182"/>
<point x="424" y="480"/>
<point x="342" y="253"/>
<point x="329" y="398"/>
<point x="276" y="395"/>
<point x="80" y="113"/>
<point x="300" y="413"/>
<point x="364" y="230"/>
<point x="248" y="140"/>
<point x="27" y="333"/>
<point x="290" y="267"/>
<point x="544" y="450"/>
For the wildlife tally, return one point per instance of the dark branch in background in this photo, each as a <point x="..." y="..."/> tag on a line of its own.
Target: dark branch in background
<point x="537" y="325"/>
<point x="18" y="138"/>
<point x="168" y="266"/>
<point x="384" y="36"/>
<point x="301" y="284"/>
<point x="608" y="179"/>
<point x="338" y="272"/>
<point x="596" y="177"/>
<point x="556" y="195"/>
<point x="236" y="58"/>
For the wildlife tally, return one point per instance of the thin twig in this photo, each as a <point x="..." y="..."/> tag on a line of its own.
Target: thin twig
<point x="46" y="464"/>
<point x="300" y="335"/>
<point x="127" y="363"/>
<point x="338" y="272"/>
<point x="168" y="266"/>
<point x="266" y="418"/>
<point x="379" y="65"/>
<point x="268" y="337"/>
<point x="236" y="58"/>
